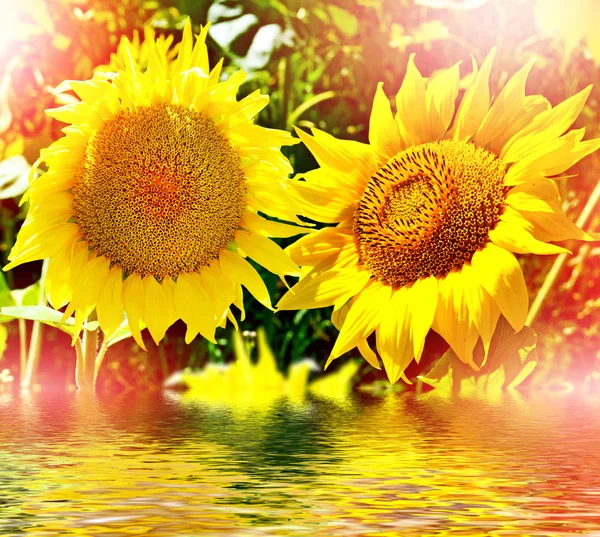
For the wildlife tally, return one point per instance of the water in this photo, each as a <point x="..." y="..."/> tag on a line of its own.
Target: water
<point x="408" y="465"/>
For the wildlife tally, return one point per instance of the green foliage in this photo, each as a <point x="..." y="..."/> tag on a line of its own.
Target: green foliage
<point x="47" y="316"/>
<point x="14" y="177"/>
<point x="6" y="298"/>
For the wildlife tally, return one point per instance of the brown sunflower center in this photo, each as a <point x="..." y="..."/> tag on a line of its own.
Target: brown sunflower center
<point x="428" y="210"/>
<point x="160" y="191"/>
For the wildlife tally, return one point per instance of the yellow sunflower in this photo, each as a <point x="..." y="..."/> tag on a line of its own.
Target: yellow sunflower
<point x="139" y="50"/>
<point x="150" y="202"/>
<point x="425" y="220"/>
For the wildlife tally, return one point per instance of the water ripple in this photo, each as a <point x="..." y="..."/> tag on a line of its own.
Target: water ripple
<point x="167" y="465"/>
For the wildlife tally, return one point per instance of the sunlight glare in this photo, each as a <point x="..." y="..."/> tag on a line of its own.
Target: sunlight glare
<point x="9" y="25"/>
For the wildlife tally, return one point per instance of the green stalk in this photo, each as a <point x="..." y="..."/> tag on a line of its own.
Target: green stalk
<point x="100" y="358"/>
<point x="23" y="345"/>
<point x="164" y="365"/>
<point x="285" y="84"/>
<point x="33" y="357"/>
<point x="88" y="361"/>
<point x="35" y="343"/>
<point x="79" y="377"/>
<point x="307" y="105"/>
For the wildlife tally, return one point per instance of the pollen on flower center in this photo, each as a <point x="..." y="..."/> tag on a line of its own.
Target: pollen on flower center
<point x="160" y="191"/>
<point x="428" y="210"/>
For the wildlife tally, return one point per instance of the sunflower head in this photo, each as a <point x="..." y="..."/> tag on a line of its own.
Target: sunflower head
<point x="427" y="217"/>
<point x="428" y="210"/>
<point x="150" y="203"/>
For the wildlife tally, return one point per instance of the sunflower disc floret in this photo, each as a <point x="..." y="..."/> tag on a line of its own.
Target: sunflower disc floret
<point x="428" y="210"/>
<point x="160" y="191"/>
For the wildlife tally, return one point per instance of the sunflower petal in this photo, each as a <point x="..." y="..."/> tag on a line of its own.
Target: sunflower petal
<point x="220" y="289"/>
<point x="368" y="354"/>
<point x="483" y="311"/>
<point x="548" y="226"/>
<point x="533" y="105"/>
<point x="241" y="272"/>
<point x="441" y="94"/>
<point x="511" y="234"/>
<point x="109" y="306"/>
<point x="42" y="245"/>
<point x="318" y="290"/>
<point x="266" y="253"/>
<point x="500" y="274"/>
<point x="476" y="101"/>
<point x="133" y="303"/>
<point x="89" y="282"/>
<point x="423" y="302"/>
<point x="552" y="158"/>
<point x="452" y="319"/>
<point x="411" y="106"/>
<point x="393" y="335"/>
<point x="506" y="107"/>
<point x="384" y="135"/>
<point x="322" y="202"/>
<point x="254" y="222"/>
<point x="545" y="127"/>
<point x="312" y="249"/>
<point x="193" y="307"/>
<point x="57" y="282"/>
<point x="362" y="318"/>
<point x="156" y="309"/>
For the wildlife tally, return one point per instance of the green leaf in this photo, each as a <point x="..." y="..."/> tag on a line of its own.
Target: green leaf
<point x="30" y="296"/>
<point x="122" y="333"/>
<point x="47" y="316"/>
<point x="225" y="33"/>
<point x="6" y="298"/>
<point x="345" y="21"/>
<point x="17" y="297"/>
<point x="250" y="38"/>
<point x="307" y="105"/>
<point x="268" y="39"/>
<point x="14" y="177"/>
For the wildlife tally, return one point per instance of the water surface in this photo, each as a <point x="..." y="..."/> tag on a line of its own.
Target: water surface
<point x="167" y="465"/>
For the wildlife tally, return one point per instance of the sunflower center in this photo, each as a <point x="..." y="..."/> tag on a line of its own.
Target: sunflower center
<point x="160" y="191"/>
<point x="428" y="210"/>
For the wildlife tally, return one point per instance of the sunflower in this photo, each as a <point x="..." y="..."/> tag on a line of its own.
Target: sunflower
<point x="150" y="202"/>
<point x="424" y="221"/>
<point x="140" y="50"/>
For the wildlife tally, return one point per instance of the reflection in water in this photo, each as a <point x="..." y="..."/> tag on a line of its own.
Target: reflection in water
<point x="402" y="465"/>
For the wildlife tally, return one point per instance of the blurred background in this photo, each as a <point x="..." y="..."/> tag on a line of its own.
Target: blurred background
<point x="320" y="62"/>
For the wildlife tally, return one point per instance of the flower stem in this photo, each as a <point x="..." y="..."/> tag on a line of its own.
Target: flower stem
<point x="35" y="344"/>
<point x="100" y="357"/>
<point x="86" y="377"/>
<point x="33" y="357"/>
<point x="23" y="345"/>
<point x="560" y="260"/>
